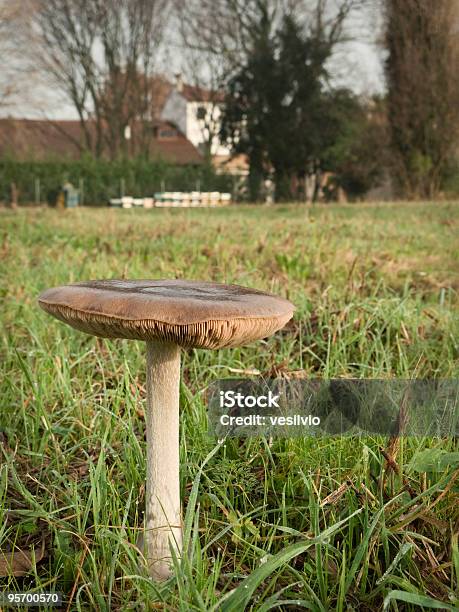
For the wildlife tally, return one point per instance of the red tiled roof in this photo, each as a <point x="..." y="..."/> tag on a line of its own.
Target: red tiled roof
<point x="26" y="139"/>
<point x="30" y="139"/>
<point x="161" y="87"/>
<point x="194" y="93"/>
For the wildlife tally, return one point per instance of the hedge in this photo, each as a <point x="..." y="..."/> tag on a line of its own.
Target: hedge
<point x="100" y="180"/>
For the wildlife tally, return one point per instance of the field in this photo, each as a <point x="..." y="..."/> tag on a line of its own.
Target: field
<point x="345" y="523"/>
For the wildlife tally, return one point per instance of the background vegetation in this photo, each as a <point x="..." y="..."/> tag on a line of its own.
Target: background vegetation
<point x="423" y="94"/>
<point x="278" y="72"/>
<point x="99" y="180"/>
<point x="333" y="523"/>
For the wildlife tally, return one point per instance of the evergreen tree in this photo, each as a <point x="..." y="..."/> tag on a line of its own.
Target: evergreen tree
<point x="278" y="109"/>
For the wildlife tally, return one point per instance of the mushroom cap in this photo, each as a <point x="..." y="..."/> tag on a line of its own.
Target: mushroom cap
<point x="188" y="313"/>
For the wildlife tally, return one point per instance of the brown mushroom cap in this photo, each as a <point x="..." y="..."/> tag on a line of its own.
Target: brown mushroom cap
<point x="189" y="313"/>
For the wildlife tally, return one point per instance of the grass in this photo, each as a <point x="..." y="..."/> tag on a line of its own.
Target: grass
<point x="284" y="524"/>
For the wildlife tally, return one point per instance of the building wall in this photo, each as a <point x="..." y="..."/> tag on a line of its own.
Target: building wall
<point x="198" y="129"/>
<point x="175" y="110"/>
<point x="185" y="116"/>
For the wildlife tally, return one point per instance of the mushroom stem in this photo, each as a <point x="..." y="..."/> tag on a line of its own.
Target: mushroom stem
<point x="162" y="509"/>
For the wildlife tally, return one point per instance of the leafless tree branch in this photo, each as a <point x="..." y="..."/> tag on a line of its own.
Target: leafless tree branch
<point x="102" y="54"/>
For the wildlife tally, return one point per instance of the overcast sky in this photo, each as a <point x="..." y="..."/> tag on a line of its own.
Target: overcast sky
<point x="357" y="65"/>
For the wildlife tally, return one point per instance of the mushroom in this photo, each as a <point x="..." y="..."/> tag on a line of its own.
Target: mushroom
<point x="167" y="315"/>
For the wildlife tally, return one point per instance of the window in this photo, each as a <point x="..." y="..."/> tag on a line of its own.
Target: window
<point x="167" y="133"/>
<point x="201" y="112"/>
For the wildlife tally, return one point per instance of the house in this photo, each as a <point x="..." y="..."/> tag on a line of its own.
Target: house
<point x="192" y="109"/>
<point x="181" y="127"/>
<point x="196" y="111"/>
<point x="30" y="139"/>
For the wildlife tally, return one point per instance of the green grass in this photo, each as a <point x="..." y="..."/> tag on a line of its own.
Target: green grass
<point x="376" y="290"/>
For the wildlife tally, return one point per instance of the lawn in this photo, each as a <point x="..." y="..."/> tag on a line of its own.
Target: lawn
<point x="270" y="524"/>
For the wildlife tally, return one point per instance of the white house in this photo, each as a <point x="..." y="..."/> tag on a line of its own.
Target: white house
<point x="196" y="112"/>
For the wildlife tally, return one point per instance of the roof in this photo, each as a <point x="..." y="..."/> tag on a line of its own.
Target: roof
<point x="27" y="139"/>
<point x="161" y="87"/>
<point x="194" y="93"/>
<point x="157" y="87"/>
<point x="231" y="164"/>
<point x="35" y="139"/>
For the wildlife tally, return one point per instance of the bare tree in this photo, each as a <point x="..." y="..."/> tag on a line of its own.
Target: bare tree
<point x="230" y="30"/>
<point x="214" y="42"/>
<point x="17" y="69"/>
<point x="422" y="70"/>
<point x="224" y="28"/>
<point x="203" y="72"/>
<point x="6" y="19"/>
<point x="102" y="54"/>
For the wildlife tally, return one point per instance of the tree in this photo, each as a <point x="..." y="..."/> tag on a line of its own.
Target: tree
<point x="102" y="55"/>
<point x="303" y="109"/>
<point x="17" y="69"/>
<point x="423" y="91"/>
<point x="202" y="72"/>
<point x="214" y="38"/>
<point x="357" y="149"/>
<point x="250" y="102"/>
<point x="279" y="107"/>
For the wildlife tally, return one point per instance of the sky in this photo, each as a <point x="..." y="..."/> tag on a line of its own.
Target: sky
<point x="357" y="65"/>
